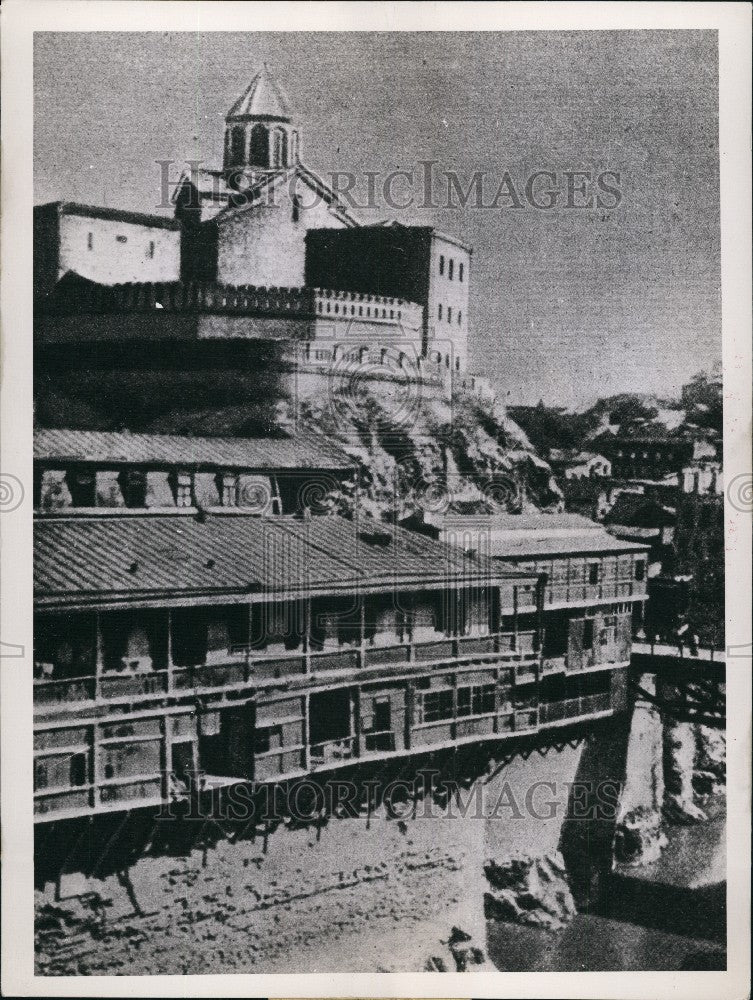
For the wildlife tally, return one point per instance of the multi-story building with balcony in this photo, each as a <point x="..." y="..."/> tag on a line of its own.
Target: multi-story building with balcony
<point x="592" y="596"/>
<point x="255" y="647"/>
<point x="95" y="470"/>
<point x="258" y="649"/>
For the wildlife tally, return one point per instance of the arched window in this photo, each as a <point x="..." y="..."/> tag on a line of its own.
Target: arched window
<point x="259" y="146"/>
<point x="277" y="141"/>
<point x="237" y="145"/>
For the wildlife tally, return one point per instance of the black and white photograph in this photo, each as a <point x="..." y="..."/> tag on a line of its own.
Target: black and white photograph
<point x="378" y="503"/>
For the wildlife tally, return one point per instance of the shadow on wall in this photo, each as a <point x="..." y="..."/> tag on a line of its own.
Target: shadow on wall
<point x="588" y="831"/>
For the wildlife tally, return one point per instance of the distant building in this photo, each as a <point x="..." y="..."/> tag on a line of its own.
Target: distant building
<point x="571" y="463"/>
<point x="647" y="458"/>
<point x="105" y="245"/>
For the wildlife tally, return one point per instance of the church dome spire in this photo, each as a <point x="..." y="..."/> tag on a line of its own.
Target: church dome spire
<point x="259" y="133"/>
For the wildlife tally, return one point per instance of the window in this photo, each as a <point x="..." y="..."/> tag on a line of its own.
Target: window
<point x="476" y="700"/>
<point x="593" y="573"/>
<point x="449" y="314"/>
<point x="451" y="268"/>
<point x="78" y="769"/>
<point x="434" y="706"/>
<point x="460" y="271"/>
<point x="293" y="147"/>
<point x="640" y="570"/>
<point x="267" y="738"/>
<point x="237" y="144"/>
<point x="457" y="364"/>
<point x="90" y="241"/>
<point x="588" y="633"/>
<point x="441" y="264"/>
<point x="439" y="311"/>
<point x="151" y="250"/>
<point x="183" y="489"/>
<point x="447" y="360"/>
<point x="460" y="317"/>
<point x="259" y="146"/>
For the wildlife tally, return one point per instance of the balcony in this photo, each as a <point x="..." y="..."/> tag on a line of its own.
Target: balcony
<point x="571" y="708"/>
<point x="64" y="692"/>
<point x="592" y="593"/>
<point x="245" y="667"/>
<point x="132" y="685"/>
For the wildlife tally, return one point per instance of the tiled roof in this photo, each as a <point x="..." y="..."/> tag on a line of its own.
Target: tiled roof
<point x="304" y="451"/>
<point x="523" y="522"/>
<point x="113" y="559"/>
<point x="593" y="542"/>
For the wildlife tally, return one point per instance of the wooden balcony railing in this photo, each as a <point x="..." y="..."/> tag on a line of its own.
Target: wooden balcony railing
<point x="129" y="685"/>
<point x="556" y="711"/>
<point x="606" y="590"/>
<point x="63" y="692"/>
<point x="245" y="666"/>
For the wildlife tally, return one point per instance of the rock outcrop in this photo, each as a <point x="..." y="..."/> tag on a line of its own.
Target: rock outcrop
<point x="525" y="890"/>
<point x="439" y="453"/>
<point x="458" y="954"/>
<point x="639" y="838"/>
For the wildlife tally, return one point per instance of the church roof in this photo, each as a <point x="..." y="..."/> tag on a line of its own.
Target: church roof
<point x="264" y="98"/>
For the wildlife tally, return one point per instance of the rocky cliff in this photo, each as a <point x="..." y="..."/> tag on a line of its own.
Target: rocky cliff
<point x="464" y="454"/>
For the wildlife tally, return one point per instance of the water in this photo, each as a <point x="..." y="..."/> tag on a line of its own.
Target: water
<point x="666" y="916"/>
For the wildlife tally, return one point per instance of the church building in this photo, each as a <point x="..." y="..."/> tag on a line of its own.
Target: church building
<point x="260" y="248"/>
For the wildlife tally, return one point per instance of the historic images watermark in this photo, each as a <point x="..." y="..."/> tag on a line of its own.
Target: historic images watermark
<point x="424" y="796"/>
<point x="426" y="186"/>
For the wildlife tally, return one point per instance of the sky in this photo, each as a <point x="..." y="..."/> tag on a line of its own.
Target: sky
<point x="567" y="304"/>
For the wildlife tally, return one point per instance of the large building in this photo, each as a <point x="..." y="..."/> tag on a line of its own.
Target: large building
<point x="593" y="590"/>
<point x="254" y="645"/>
<point x="239" y="262"/>
<point x="417" y="263"/>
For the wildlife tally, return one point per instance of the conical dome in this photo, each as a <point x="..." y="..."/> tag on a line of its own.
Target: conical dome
<point x="258" y="130"/>
<point x="264" y="98"/>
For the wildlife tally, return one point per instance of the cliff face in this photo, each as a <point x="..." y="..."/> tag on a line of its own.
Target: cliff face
<point x="465" y="452"/>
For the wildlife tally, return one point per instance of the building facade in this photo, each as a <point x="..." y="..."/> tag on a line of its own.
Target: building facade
<point x="593" y="591"/>
<point x="105" y="245"/>
<point x="257" y="649"/>
<point x="415" y="262"/>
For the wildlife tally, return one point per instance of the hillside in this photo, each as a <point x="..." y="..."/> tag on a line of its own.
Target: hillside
<point x="440" y="452"/>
